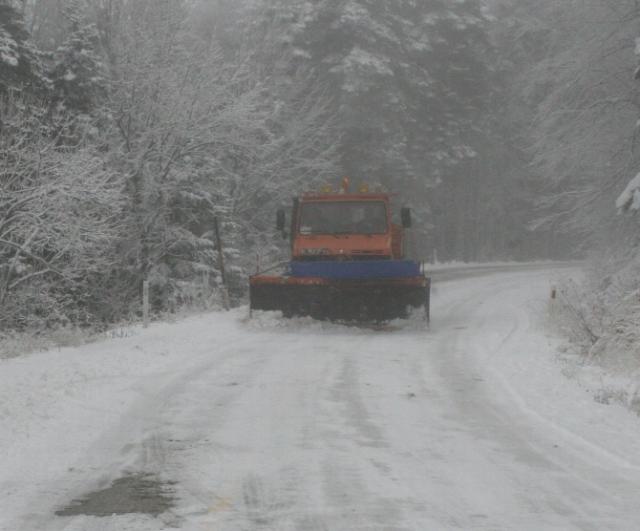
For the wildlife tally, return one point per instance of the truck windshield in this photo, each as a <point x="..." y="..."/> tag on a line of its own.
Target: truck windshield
<point x="343" y="217"/>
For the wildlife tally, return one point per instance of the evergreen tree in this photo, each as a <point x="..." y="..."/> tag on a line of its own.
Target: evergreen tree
<point x="20" y="62"/>
<point x="78" y="72"/>
<point x="408" y="78"/>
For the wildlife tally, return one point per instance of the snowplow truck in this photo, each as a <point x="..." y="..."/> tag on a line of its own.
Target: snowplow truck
<point x="347" y="262"/>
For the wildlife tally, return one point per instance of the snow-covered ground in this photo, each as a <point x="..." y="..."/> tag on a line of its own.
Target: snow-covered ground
<point x="297" y="425"/>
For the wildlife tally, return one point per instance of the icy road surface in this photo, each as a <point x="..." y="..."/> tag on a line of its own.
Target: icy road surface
<point x="283" y="426"/>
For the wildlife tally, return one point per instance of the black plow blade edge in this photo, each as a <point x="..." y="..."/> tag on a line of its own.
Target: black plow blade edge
<point x="346" y="302"/>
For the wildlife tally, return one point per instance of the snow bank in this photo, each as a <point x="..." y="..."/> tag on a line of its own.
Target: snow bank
<point x="600" y="317"/>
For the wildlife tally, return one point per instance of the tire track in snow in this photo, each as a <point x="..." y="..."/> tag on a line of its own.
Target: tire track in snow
<point x="518" y="441"/>
<point x="138" y="443"/>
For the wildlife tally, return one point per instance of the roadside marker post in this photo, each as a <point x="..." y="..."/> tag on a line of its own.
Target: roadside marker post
<point x="145" y="303"/>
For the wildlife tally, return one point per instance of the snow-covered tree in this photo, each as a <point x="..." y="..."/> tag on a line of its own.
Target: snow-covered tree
<point x="78" y="73"/>
<point x="579" y="105"/>
<point x="59" y="213"/>
<point x="578" y="85"/>
<point x="419" y="65"/>
<point x="20" y="62"/>
<point x="293" y="134"/>
<point x="198" y="133"/>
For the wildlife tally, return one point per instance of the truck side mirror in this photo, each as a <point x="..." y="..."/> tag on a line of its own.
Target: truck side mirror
<point x="281" y="220"/>
<point x="405" y="215"/>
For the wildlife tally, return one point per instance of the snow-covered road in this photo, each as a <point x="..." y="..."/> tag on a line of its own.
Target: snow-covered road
<point x="295" y="425"/>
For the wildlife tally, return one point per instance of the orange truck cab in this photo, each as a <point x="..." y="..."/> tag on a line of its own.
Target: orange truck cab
<point x="347" y="261"/>
<point x="345" y="227"/>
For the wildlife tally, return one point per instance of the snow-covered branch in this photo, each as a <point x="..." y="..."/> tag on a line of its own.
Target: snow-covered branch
<point x="629" y="199"/>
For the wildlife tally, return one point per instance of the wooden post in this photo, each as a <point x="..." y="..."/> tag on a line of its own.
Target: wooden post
<point x="427" y="302"/>
<point x="225" y="293"/>
<point x="206" y="289"/>
<point x="145" y="303"/>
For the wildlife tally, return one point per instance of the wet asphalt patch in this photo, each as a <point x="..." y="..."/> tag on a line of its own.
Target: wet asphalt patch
<point x="141" y="494"/>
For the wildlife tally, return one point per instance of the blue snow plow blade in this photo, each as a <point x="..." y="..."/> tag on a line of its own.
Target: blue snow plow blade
<point x="356" y="270"/>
